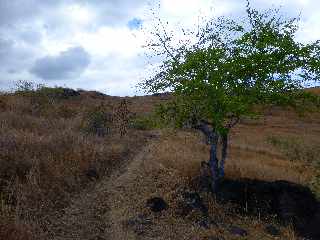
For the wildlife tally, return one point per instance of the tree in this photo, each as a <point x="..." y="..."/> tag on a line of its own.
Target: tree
<point x="229" y="67"/>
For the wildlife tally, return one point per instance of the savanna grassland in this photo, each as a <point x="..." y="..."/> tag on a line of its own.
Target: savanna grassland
<point x="82" y="165"/>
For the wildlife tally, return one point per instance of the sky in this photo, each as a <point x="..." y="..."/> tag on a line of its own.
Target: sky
<point x="97" y="44"/>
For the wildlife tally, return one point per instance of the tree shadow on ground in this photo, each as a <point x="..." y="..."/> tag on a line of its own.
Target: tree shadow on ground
<point x="291" y="203"/>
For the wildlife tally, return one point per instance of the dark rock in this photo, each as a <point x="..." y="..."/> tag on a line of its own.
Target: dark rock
<point x="204" y="223"/>
<point x="157" y="204"/>
<point x="96" y="94"/>
<point x="272" y="230"/>
<point x="92" y="174"/>
<point x="189" y="201"/>
<point x="194" y="201"/>
<point x="234" y="230"/>
<point x="59" y="93"/>
<point x="68" y="92"/>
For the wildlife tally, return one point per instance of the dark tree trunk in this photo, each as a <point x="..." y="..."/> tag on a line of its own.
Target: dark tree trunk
<point x="213" y="164"/>
<point x="213" y="138"/>
<point x="224" y="152"/>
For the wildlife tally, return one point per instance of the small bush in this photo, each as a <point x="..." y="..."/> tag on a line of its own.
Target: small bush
<point x="26" y="87"/>
<point x="97" y="121"/>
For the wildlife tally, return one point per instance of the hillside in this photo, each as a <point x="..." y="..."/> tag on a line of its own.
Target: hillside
<point x="84" y="165"/>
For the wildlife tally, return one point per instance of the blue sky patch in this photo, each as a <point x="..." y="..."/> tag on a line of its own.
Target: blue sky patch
<point x="134" y="23"/>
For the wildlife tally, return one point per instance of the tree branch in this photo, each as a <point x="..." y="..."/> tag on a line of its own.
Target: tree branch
<point x="211" y="135"/>
<point x="233" y="121"/>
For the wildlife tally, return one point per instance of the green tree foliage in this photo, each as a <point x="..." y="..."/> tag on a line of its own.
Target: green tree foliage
<point x="226" y="68"/>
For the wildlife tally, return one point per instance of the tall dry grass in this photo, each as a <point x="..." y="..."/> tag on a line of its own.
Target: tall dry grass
<point x="46" y="157"/>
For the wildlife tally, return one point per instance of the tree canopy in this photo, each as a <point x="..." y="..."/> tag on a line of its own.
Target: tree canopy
<point x="234" y="65"/>
<point x="228" y="67"/>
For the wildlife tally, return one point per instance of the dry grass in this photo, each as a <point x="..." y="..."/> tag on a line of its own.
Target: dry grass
<point x="45" y="159"/>
<point x="176" y="158"/>
<point x="163" y="170"/>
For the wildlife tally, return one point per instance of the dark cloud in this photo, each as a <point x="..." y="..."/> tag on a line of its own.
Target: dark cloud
<point x="68" y="64"/>
<point x="14" y="55"/>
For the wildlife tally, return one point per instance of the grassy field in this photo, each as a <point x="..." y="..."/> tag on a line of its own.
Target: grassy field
<point x="64" y="153"/>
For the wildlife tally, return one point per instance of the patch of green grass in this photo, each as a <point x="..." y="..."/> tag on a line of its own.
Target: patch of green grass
<point x="144" y="122"/>
<point x="296" y="150"/>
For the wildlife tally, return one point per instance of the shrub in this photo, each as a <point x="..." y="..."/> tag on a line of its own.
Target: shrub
<point x="121" y="117"/>
<point x="57" y="93"/>
<point x="315" y="184"/>
<point x="23" y="87"/>
<point x="27" y="88"/>
<point x="97" y="121"/>
<point x="41" y="98"/>
<point x="145" y="122"/>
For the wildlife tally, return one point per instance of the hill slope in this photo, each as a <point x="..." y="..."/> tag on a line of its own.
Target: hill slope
<point x="64" y="178"/>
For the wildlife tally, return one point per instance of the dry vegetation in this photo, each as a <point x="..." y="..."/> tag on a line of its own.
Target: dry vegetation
<point x="56" y="149"/>
<point x="49" y="153"/>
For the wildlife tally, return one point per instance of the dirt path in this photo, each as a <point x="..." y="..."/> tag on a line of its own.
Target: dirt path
<point x="109" y="209"/>
<point x="93" y="214"/>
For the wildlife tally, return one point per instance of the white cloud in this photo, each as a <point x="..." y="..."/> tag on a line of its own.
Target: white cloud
<point x="111" y="40"/>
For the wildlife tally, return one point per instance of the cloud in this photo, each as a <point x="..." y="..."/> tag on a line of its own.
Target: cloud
<point x="38" y="37"/>
<point x="5" y="47"/>
<point x="14" y="54"/>
<point x="68" y="64"/>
